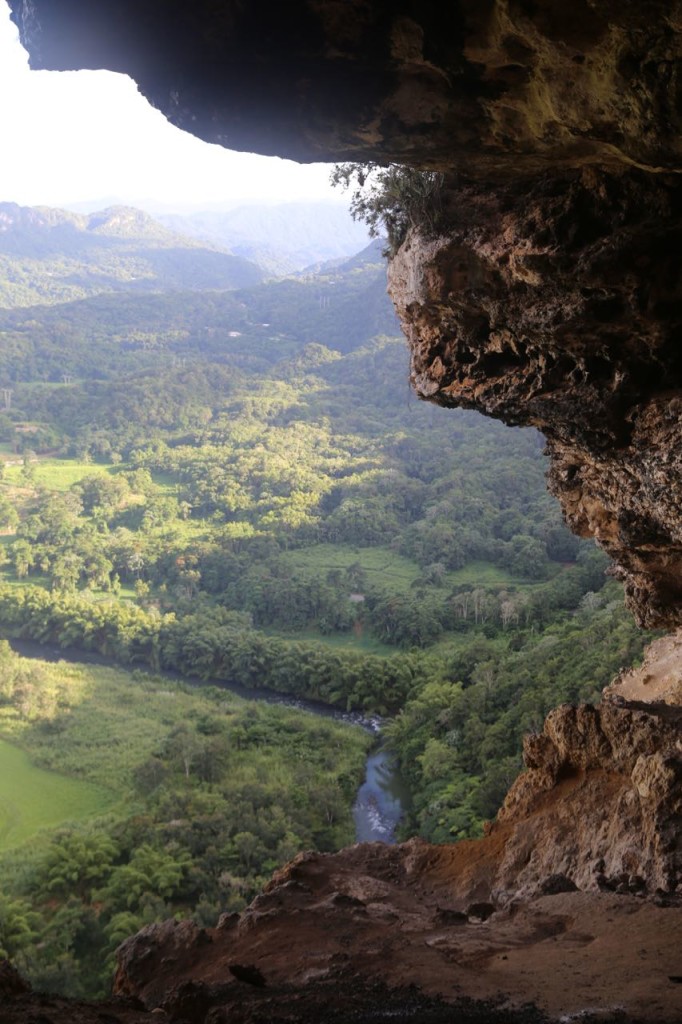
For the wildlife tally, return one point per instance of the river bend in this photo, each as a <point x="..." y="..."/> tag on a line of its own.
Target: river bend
<point x="380" y="801"/>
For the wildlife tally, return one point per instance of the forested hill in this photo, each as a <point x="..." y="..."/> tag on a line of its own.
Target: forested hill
<point x="341" y="307"/>
<point x="281" y="238"/>
<point x="54" y="256"/>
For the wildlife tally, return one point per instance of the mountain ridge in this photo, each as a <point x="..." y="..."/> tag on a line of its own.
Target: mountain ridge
<point x="49" y="255"/>
<point x="282" y="238"/>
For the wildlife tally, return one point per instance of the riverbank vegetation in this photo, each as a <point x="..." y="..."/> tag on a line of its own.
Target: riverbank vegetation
<point x="191" y="799"/>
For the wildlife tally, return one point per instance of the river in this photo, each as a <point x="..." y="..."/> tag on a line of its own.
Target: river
<point x="382" y="798"/>
<point x="380" y="801"/>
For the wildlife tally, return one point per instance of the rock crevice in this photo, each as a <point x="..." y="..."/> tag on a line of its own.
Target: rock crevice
<point x="600" y="802"/>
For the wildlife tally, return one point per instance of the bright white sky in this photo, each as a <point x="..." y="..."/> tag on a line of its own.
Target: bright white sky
<point x="67" y="137"/>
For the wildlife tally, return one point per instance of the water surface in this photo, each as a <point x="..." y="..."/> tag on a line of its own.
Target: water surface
<point x="381" y="801"/>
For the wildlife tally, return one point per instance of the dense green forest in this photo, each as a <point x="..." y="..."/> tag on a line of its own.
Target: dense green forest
<point x="238" y="485"/>
<point x="198" y="797"/>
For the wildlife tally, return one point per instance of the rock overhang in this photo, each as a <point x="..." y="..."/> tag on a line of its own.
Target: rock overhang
<point x="500" y="84"/>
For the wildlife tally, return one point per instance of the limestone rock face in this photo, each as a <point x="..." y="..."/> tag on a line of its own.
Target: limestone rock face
<point x="556" y="301"/>
<point x="657" y="681"/>
<point x="600" y="802"/>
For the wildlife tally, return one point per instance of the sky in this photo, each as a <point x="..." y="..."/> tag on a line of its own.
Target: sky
<point x="81" y="136"/>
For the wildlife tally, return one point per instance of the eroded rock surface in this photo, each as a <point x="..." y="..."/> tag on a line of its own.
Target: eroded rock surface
<point x="556" y="301"/>
<point x="600" y="802"/>
<point x="325" y="954"/>
<point x="657" y="681"/>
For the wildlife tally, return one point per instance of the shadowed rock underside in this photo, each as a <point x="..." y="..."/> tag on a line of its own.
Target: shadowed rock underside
<point x="499" y="84"/>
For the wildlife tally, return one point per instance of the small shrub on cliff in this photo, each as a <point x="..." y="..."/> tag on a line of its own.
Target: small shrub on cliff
<point x="391" y="199"/>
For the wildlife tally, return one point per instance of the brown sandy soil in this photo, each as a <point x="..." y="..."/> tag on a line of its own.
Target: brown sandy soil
<point x="380" y="916"/>
<point x="658" y="679"/>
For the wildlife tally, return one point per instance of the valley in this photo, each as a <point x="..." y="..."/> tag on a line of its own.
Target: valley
<point x="236" y="488"/>
<point x="216" y="478"/>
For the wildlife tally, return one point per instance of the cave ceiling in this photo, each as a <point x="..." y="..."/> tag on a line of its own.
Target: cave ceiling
<point x="474" y="84"/>
<point x="550" y="293"/>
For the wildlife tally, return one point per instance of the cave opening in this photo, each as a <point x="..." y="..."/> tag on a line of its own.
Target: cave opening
<point x="562" y="195"/>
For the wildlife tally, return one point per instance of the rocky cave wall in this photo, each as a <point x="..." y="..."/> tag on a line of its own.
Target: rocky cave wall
<point x="551" y="294"/>
<point x="556" y="301"/>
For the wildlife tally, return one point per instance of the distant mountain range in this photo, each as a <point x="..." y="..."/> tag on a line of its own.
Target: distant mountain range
<point x="49" y="256"/>
<point x="281" y="238"/>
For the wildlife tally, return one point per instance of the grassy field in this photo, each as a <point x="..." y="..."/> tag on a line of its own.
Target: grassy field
<point x="391" y="572"/>
<point x="385" y="569"/>
<point x="204" y="795"/>
<point x="56" y="474"/>
<point x="483" y="574"/>
<point x="32" y="798"/>
<point x="8" y="577"/>
<point x="110" y="720"/>
<point x="166" y="482"/>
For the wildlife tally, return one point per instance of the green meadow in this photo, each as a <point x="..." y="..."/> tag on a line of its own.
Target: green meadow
<point x="385" y="569"/>
<point x="390" y="572"/>
<point x="127" y="798"/>
<point x="32" y="798"/>
<point x="56" y="474"/>
<point x="360" y="641"/>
